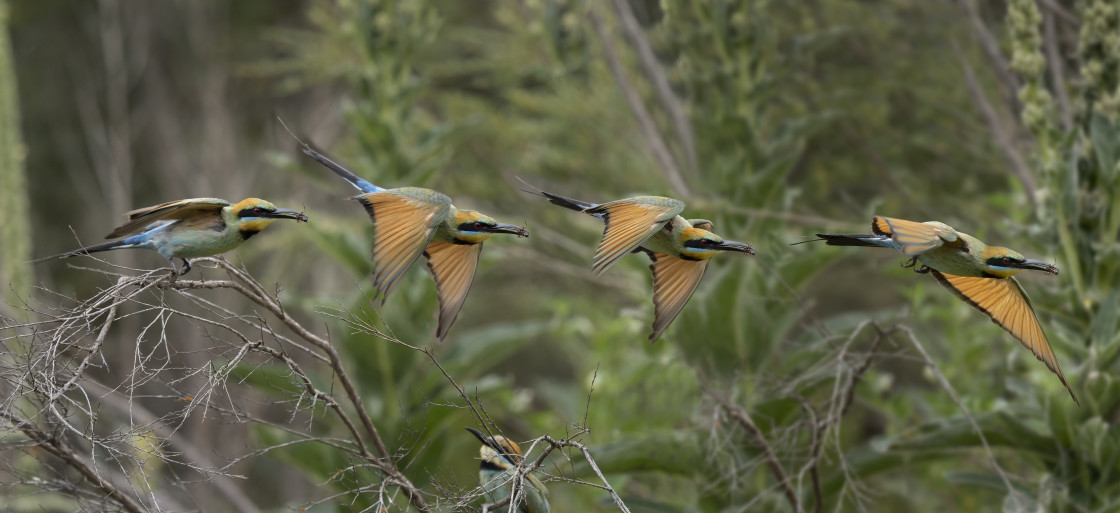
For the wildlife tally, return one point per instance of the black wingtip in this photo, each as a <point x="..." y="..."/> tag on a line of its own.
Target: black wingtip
<point x="531" y="189"/>
<point x="846" y="239"/>
<point x="338" y="169"/>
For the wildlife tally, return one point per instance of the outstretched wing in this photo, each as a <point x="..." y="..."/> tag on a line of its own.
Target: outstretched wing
<point x="629" y="223"/>
<point x="452" y="267"/>
<point x="404" y="221"/>
<point x="913" y="238"/>
<point x="674" y="281"/>
<point x="1007" y="304"/>
<point x="140" y="219"/>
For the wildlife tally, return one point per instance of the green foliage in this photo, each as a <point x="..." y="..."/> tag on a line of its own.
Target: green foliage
<point x="805" y="117"/>
<point x="462" y="99"/>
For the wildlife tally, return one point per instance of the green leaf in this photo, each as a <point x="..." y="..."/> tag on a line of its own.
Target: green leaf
<point x="674" y="452"/>
<point x="980" y="480"/>
<point x="1105" y="145"/>
<point x="1104" y="322"/>
<point x="999" y="428"/>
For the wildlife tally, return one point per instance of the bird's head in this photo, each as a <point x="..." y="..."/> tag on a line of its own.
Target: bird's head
<point x="254" y="215"/>
<point x="700" y="244"/>
<point x="472" y="227"/>
<point x="499" y="454"/>
<point x="1004" y="263"/>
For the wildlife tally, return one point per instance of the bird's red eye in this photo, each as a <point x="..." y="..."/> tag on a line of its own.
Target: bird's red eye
<point x="478" y="225"/>
<point x="706" y="242"/>
<point x="258" y="210"/>
<point x="1005" y="261"/>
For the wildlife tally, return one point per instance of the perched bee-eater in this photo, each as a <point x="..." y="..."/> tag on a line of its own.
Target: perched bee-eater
<point x="980" y="274"/>
<point x="411" y="221"/>
<point x="191" y="228"/>
<point x="679" y="248"/>
<point x="500" y="457"/>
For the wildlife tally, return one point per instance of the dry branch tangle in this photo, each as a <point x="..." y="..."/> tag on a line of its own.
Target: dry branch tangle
<point x="52" y="399"/>
<point x="46" y="363"/>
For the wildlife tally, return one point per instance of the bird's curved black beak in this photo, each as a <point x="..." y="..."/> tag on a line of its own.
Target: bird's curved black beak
<point x="484" y="439"/>
<point x="1037" y="265"/>
<point x="730" y="245"/>
<point x="284" y="213"/>
<point x="519" y="231"/>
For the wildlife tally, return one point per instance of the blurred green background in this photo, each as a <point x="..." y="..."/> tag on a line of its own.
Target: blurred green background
<point x="774" y="119"/>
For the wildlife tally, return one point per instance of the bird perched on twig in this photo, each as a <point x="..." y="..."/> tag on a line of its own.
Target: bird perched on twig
<point x="679" y="248"/>
<point x="412" y="221"/>
<point x="979" y="274"/>
<point x="500" y="457"/>
<point x="191" y="228"/>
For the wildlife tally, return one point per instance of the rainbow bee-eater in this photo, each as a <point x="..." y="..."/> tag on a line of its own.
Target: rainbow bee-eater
<point x="679" y="248"/>
<point x="497" y="470"/>
<point x="191" y="228"/>
<point x="409" y="222"/>
<point x="980" y="274"/>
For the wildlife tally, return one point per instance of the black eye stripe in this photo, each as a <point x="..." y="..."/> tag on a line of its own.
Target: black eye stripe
<point x="252" y="212"/>
<point x="474" y="226"/>
<point x="699" y="243"/>
<point x="1003" y="261"/>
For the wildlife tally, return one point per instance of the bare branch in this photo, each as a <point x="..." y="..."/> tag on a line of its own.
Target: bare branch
<point x="744" y="420"/>
<point x="199" y="461"/>
<point x="252" y="290"/>
<point x="957" y="400"/>
<point x="659" y="79"/>
<point x="1060" y="11"/>
<point x="990" y="45"/>
<point x="62" y="451"/>
<point x="1001" y="134"/>
<point x="50" y="374"/>
<point x="637" y="106"/>
<point x="1056" y="66"/>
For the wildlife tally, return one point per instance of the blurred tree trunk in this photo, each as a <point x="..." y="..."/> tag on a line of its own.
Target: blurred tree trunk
<point x="15" y="231"/>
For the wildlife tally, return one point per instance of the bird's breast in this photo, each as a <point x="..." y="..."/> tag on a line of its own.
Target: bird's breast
<point x="662" y="242"/>
<point x="200" y="241"/>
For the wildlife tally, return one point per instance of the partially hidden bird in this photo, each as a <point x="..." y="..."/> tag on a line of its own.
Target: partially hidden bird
<point x="411" y="221"/>
<point x="500" y="457"/>
<point x="679" y="248"/>
<point x="191" y="228"/>
<point x="979" y="274"/>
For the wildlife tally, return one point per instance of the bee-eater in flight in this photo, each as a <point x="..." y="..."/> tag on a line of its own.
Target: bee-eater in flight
<point x="979" y="274"/>
<point x="679" y="248"/>
<point x="191" y="228"/>
<point x="411" y="221"/>
<point x="497" y="470"/>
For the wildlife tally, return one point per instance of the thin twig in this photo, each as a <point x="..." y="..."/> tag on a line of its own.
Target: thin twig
<point x="957" y="400"/>
<point x="59" y="449"/>
<point x="200" y="461"/>
<point x="1065" y="14"/>
<point x="990" y="45"/>
<point x="659" y="79"/>
<point x="637" y="106"/>
<point x="1056" y="67"/>
<point x="744" y="419"/>
<point x="257" y="294"/>
<point x="1001" y="135"/>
